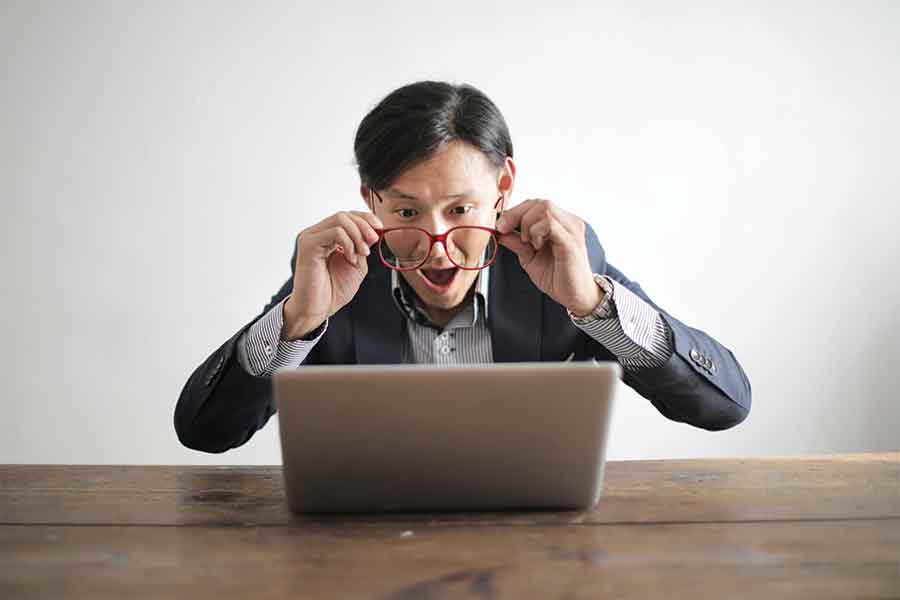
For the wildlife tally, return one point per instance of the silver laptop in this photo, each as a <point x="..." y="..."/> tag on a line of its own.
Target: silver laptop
<point x="424" y="437"/>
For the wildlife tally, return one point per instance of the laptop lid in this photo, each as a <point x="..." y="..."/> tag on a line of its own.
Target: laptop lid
<point x="373" y="438"/>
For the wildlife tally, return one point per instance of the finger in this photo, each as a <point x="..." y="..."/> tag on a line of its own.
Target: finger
<point x="570" y="222"/>
<point x="333" y="240"/>
<point x="345" y="244"/>
<point x="370" y="236"/>
<point x="510" y="219"/>
<point x="363" y="265"/>
<point x="538" y="232"/>
<point x="352" y="227"/>
<point x="323" y="225"/>
<point x="330" y="221"/>
<point x="556" y="230"/>
<point x="556" y="233"/>
<point x="524" y="251"/>
<point x="540" y="210"/>
<point x="373" y="221"/>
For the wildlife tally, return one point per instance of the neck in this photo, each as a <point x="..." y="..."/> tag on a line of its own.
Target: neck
<point x="442" y="316"/>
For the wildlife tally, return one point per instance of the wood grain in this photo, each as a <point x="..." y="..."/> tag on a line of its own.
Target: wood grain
<point x="658" y="491"/>
<point x="785" y="527"/>
<point x="831" y="559"/>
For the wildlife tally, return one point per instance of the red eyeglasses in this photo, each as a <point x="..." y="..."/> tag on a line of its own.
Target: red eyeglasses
<point x="468" y="247"/>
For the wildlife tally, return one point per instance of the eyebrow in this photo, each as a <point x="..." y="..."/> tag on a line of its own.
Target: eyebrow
<point x="405" y="196"/>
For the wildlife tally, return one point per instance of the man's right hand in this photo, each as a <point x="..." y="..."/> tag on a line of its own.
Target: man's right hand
<point x="331" y="265"/>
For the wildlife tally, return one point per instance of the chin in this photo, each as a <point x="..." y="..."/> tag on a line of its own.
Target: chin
<point x="446" y="302"/>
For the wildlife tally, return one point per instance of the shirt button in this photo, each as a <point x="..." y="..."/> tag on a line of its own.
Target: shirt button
<point x="268" y="349"/>
<point x="445" y="350"/>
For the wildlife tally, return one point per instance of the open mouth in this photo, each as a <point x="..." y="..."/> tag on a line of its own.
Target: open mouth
<point x="439" y="279"/>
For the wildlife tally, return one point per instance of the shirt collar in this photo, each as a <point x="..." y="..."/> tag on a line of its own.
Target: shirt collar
<point x="410" y="306"/>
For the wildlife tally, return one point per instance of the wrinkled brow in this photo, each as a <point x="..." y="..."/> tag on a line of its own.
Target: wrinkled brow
<point x="404" y="196"/>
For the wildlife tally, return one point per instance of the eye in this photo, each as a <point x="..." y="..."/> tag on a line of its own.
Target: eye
<point x="405" y="213"/>
<point x="461" y="210"/>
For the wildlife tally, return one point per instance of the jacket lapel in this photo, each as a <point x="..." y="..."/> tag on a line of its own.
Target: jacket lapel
<point x="378" y="327"/>
<point x="515" y="311"/>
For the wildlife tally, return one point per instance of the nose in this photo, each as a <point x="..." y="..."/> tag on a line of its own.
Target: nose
<point x="434" y="223"/>
<point x="436" y="226"/>
<point x="439" y="256"/>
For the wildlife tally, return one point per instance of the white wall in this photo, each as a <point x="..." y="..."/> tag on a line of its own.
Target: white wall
<point x="740" y="163"/>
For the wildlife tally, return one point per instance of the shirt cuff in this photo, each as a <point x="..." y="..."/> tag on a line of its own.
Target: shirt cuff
<point x="635" y="332"/>
<point x="263" y="351"/>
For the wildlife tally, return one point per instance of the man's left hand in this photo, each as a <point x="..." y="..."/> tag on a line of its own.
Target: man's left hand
<point x="552" y="250"/>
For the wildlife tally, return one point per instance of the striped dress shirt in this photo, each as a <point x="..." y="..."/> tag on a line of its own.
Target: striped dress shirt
<point x="626" y="325"/>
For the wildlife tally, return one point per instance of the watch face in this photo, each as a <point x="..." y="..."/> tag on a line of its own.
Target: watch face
<point x="605" y="309"/>
<point x="604" y="283"/>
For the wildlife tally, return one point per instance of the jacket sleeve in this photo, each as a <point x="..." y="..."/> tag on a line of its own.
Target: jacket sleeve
<point x="702" y="383"/>
<point x="222" y="405"/>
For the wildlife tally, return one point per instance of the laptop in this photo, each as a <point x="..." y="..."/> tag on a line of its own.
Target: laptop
<point x="388" y="438"/>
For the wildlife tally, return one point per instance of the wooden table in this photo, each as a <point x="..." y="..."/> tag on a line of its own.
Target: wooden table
<point x="811" y="527"/>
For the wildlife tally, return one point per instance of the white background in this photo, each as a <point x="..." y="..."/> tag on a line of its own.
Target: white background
<point x="159" y="158"/>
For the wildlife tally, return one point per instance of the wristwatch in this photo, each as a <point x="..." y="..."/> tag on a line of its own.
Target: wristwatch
<point x="605" y="310"/>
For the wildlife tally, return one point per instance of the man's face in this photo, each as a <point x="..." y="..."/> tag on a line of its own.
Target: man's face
<point x="457" y="186"/>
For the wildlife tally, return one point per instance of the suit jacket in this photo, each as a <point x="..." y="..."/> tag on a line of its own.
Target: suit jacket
<point x="221" y="405"/>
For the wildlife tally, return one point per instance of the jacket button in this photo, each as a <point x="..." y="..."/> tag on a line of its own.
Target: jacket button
<point x="695" y="355"/>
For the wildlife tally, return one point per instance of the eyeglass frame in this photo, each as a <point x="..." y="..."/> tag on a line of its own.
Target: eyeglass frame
<point x="439" y="237"/>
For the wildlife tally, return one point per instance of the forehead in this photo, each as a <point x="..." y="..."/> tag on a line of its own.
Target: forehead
<point x="455" y="169"/>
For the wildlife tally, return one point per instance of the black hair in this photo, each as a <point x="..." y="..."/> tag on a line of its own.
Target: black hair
<point x="415" y="121"/>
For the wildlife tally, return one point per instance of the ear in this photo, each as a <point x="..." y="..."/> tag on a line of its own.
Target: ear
<point x="367" y="196"/>
<point x="505" y="183"/>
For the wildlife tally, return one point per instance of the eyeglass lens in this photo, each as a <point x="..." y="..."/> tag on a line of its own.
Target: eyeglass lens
<point x="467" y="247"/>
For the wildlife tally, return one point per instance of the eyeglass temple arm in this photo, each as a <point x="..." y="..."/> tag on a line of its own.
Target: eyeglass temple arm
<point x="497" y="203"/>
<point x="517" y="229"/>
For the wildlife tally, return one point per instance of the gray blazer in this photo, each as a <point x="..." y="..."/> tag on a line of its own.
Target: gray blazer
<point x="221" y="405"/>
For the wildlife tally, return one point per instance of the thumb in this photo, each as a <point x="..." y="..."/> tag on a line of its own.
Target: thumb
<point x="524" y="251"/>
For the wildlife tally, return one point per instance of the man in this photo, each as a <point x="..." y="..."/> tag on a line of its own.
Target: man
<point x="438" y="271"/>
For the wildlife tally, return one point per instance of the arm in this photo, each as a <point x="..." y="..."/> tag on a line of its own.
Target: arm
<point x="701" y="383"/>
<point x="229" y="396"/>
<point x="262" y="350"/>
<point x="223" y="403"/>
<point x="632" y="330"/>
